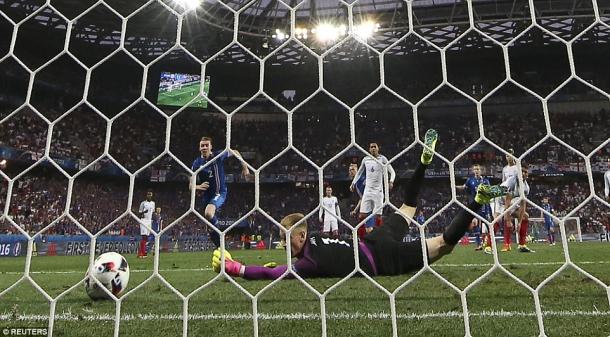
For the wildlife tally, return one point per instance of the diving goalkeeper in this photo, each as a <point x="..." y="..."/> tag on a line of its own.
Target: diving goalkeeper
<point x="381" y="252"/>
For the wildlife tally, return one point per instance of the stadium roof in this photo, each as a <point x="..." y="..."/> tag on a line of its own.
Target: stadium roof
<point x="438" y="21"/>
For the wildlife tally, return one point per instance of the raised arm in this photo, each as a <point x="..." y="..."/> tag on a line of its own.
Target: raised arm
<point x="244" y="167"/>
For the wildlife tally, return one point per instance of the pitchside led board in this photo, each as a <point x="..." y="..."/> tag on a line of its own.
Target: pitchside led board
<point x="176" y="89"/>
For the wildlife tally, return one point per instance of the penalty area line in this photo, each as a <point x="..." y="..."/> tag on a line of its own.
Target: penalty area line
<point x="298" y="316"/>
<point x="441" y="265"/>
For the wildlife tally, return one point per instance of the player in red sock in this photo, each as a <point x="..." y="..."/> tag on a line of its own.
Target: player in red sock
<point x="509" y="172"/>
<point x="518" y="208"/>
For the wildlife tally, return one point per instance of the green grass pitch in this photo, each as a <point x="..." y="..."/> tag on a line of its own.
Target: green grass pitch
<point x="182" y="96"/>
<point x="572" y="303"/>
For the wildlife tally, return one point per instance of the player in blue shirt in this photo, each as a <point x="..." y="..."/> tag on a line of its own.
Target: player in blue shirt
<point x="470" y="186"/>
<point x="420" y="218"/>
<point x="359" y="188"/>
<point x="156" y="225"/>
<point x="211" y="185"/>
<point x="549" y="225"/>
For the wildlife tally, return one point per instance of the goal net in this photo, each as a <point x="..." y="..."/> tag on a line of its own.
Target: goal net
<point x="539" y="230"/>
<point x="103" y="101"/>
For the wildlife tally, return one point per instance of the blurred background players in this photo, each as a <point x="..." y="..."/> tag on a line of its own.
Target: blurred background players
<point x="330" y="213"/>
<point x="359" y="189"/>
<point x="517" y="205"/>
<point x="372" y="169"/>
<point x="211" y="185"/>
<point x="146" y="210"/>
<point x="478" y="227"/>
<point x="157" y="225"/>
<point x="499" y="205"/>
<point x="549" y="225"/>
<point x="607" y="182"/>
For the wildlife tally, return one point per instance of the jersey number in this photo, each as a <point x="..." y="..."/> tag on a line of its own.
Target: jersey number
<point x="328" y="241"/>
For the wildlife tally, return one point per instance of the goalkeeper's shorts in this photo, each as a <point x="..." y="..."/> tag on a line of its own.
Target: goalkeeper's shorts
<point x="392" y="255"/>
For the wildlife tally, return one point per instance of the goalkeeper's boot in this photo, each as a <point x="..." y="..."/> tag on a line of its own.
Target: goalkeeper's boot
<point x="524" y="249"/>
<point x="485" y="193"/>
<point x="430" y="141"/>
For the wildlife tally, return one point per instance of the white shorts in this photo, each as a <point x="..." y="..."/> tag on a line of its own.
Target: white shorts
<point x="144" y="230"/>
<point x="497" y="206"/>
<point x="372" y="202"/>
<point x="330" y="225"/>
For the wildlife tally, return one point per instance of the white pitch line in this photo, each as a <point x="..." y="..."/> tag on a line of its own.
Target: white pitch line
<point x="81" y="272"/>
<point x="298" y="316"/>
<point x="517" y="264"/>
<point x="433" y="266"/>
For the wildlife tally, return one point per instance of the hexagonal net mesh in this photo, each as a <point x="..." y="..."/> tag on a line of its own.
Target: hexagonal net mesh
<point x="351" y="41"/>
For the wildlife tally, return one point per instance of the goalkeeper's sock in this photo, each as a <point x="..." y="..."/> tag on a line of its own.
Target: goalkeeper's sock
<point x="459" y="225"/>
<point x="414" y="185"/>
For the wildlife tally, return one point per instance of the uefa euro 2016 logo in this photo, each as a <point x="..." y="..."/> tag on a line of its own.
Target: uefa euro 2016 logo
<point x="17" y="249"/>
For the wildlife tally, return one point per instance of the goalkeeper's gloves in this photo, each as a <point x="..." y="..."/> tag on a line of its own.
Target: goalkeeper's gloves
<point x="232" y="267"/>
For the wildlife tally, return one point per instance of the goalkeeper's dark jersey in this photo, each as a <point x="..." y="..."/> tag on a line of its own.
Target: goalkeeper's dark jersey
<point x="324" y="257"/>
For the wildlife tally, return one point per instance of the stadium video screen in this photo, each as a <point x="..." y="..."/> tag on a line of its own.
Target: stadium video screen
<point x="177" y="89"/>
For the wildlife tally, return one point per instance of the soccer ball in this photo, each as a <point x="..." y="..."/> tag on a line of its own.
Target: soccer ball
<point x="111" y="270"/>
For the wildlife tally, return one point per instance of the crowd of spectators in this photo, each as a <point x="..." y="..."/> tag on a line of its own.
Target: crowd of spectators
<point x="139" y="135"/>
<point x="39" y="199"/>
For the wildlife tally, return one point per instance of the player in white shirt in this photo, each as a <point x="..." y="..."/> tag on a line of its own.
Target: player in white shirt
<point x="607" y="184"/>
<point x="147" y="208"/>
<point x="330" y="213"/>
<point x="518" y="208"/>
<point x="372" y="168"/>
<point x="498" y="205"/>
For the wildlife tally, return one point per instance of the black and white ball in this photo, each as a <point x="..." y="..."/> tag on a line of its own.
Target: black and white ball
<point x="111" y="270"/>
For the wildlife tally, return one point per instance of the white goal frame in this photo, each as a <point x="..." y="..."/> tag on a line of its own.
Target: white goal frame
<point x="415" y="106"/>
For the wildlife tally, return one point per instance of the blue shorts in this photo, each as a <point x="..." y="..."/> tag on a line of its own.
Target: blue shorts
<point x="485" y="212"/>
<point x="548" y="225"/>
<point x="371" y="222"/>
<point x="214" y="199"/>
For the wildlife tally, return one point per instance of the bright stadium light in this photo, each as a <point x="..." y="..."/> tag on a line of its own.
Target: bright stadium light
<point x="366" y="30"/>
<point x="188" y="4"/>
<point x="300" y="33"/>
<point x="279" y="35"/>
<point x="327" y="33"/>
